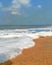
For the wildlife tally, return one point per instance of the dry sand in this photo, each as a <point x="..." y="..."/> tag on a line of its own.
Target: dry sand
<point x="40" y="54"/>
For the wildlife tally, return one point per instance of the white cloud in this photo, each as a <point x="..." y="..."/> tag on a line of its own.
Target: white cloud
<point x="39" y="6"/>
<point x="16" y="6"/>
<point x="1" y="4"/>
<point x="25" y="2"/>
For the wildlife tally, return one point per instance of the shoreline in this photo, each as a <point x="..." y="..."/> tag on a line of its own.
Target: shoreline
<point x="39" y="54"/>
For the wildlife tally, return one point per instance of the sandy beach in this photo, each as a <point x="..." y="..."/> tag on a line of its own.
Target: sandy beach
<point x="25" y="32"/>
<point x="40" y="54"/>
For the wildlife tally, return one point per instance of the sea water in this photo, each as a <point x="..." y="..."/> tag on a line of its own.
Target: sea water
<point x="13" y="40"/>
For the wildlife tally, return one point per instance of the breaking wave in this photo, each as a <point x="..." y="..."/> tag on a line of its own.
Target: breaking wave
<point x="12" y="42"/>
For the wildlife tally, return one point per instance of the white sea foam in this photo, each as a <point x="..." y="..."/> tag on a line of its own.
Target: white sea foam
<point x="12" y="42"/>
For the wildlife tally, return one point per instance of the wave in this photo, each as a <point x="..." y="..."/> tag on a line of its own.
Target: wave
<point x="12" y="42"/>
<point x="19" y="32"/>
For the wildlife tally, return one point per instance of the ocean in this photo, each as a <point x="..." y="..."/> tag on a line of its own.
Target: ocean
<point x="13" y="39"/>
<point x="23" y="26"/>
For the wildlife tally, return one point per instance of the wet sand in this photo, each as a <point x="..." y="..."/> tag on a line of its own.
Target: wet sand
<point x="40" y="54"/>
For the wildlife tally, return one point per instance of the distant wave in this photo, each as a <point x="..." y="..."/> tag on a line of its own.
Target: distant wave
<point x="9" y="33"/>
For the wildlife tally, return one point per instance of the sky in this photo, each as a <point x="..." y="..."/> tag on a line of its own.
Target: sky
<point x="25" y="12"/>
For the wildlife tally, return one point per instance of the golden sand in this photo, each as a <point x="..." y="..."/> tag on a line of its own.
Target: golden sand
<point x="40" y="54"/>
